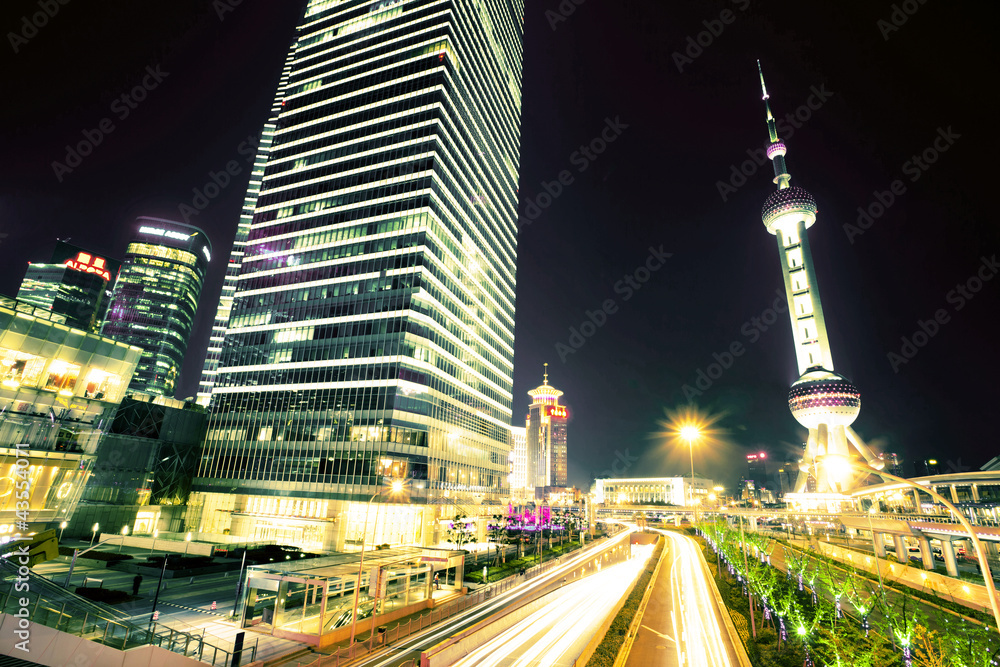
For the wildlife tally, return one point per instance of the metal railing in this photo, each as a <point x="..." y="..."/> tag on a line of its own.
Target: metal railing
<point x="57" y="608"/>
<point x="416" y="624"/>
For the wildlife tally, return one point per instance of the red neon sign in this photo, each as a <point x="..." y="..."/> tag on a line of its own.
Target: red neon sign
<point x="87" y="263"/>
<point x="557" y="411"/>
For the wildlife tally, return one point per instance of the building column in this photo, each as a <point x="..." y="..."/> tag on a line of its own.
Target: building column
<point x="954" y="493"/>
<point x="948" y="551"/>
<point x="902" y="555"/>
<point x="916" y="500"/>
<point x="975" y="493"/>
<point x="926" y="555"/>
<point x="879" y="543"/>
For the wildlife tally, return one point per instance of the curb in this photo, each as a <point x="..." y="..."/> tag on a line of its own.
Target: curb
<point x="633" y="629"/>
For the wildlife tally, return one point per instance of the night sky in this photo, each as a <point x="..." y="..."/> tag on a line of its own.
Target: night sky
<point x="682" y="117"/>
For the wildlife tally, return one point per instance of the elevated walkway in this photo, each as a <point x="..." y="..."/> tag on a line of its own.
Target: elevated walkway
<point x="58" y="619"/>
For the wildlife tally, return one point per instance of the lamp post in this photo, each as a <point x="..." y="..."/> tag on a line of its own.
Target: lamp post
<point x="156" y="534"/>
<point x="124" y="535"/>
<point x="62" y="527"/>
<point x="878" y="569"/>
<point x="691" y="433"/>
<point x="93" y="533"/>
<point x="838" y="465"/>
<point x="187" y="542"/>
<point x="396" y="487"/>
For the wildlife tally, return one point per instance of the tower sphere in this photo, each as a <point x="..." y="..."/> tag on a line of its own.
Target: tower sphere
<point x="821" y="396"/>
<point x="788" y="206"/>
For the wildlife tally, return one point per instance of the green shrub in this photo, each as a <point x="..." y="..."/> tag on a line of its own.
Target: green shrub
<point x="607" y="651"/>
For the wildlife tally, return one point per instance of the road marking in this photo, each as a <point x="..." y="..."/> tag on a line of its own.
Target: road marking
<point x="659" y="634"/>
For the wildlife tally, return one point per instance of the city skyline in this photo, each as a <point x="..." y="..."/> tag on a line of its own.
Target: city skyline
<point x="853" y="112"/>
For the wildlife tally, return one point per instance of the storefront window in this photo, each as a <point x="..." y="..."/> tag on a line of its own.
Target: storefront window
<point x="62" y="377"/>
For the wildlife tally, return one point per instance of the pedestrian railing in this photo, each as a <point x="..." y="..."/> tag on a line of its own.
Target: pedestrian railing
<point x="55" y="607"/>
<point x="416" y="624"/>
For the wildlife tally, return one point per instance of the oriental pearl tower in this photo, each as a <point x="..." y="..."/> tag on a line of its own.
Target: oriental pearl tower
<point x="821" y="400"/>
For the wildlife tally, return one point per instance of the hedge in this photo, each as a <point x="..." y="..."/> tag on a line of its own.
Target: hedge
<point x="607" y="651"/>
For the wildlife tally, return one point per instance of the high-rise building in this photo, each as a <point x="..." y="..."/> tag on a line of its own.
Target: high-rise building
<point x="891" y="464"/>
<point x="59" y="388"/>
<point x="821" y="400"/>
<point x="369" y="326"/>
<point x="76" y="284"/>
<point x="518" y="460"/>
<point x="757" y="469"/>
<point x="546" y="452"/>
<point x="156" y="297"/>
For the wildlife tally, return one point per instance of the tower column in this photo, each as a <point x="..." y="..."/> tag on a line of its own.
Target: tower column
<point x="948" y="551"/>
<point x="902" y="555"/>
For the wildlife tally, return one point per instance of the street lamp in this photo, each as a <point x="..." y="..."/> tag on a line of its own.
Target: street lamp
<point x="837" y="464"/>
<point x="187" y="542"/>
<point x="394" y="489"/>
<point x="62" y="527"/>
<point x="156" y="534"/>
<point x="124" y="535"/>
<point x="93" y="533"/>
<point x="691" y="433"/>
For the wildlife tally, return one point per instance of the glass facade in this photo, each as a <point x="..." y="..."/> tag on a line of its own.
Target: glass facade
<point x="59" y="387"/>
<point x="76" y="284"/>
<point x="370" y="329"/>
<point x="155" y="299"/>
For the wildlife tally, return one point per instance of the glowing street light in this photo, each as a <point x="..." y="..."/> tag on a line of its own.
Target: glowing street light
<point x="124" y="535"/>
<point x="62" y="527"/>
<point x="691" y="433"/>
<point x="93" y="533"/>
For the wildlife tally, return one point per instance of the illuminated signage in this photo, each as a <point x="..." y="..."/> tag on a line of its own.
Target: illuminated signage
<point x="87" y="263"/>
<point x="557" y="411"/>
<point x="156" y="231"/>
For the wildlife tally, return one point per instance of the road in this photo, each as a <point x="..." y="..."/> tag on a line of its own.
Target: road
<point x="682" y="624"/>
<point x="556" y="634"/>
<point x="548" y="581"/>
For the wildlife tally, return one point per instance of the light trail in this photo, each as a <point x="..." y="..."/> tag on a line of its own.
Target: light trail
<point x="700" y="639"/>
<point x="432" y="636"/>
<point x="564" y="625"/>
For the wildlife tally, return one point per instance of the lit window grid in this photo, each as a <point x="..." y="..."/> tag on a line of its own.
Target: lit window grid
<point x="369" y="203"/>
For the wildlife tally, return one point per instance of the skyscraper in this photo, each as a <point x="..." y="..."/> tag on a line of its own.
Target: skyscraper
<point x="546" y="437"/>
<point x="76" y="283"/>
<point x="757" y="469"/>
<point x="821" y="400"/>
<point x="371" y="322"/>
<point x="156" y="297"/>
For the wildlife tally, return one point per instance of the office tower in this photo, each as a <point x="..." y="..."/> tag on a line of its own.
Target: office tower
<point x="891" y="464"/>
<point x="546" y="437"/>
<point x="76" y="284"/>
<point x="518" y="460"/>
<point x="59" y="387"/>
<point x="156" y="297"/>
<point x="757" y="469"/>
<point x="370" y="332"/>
<point x="821" y="400"/>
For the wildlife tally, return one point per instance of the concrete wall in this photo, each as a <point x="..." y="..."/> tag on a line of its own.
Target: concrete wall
<point x="52" y="648"/>
<point x="962" y="592"/>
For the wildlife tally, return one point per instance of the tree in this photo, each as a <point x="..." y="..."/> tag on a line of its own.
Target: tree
<point x="497" y="531"/>
<point x="461" y="531"/>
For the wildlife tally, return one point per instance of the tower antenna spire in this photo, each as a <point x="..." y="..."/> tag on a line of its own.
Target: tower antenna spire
<point x="776" y="149"/>
<point x="545" y="373"/>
